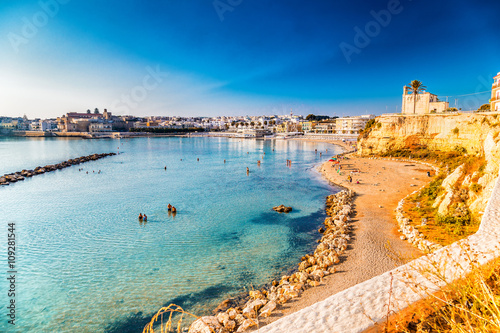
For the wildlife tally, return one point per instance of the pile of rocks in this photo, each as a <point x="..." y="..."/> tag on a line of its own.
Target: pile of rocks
<point x="21" y="175"/>
<point x="310" y="273"/>
<point x="411" y="234"/>
<point x="282" y="209"/>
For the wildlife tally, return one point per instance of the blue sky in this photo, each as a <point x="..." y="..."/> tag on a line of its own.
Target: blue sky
<point x="242" y="57"/>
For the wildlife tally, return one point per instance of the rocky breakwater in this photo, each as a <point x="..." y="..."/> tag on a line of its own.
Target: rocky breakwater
<point x="21" y="175"/>
<point x="310" y="273"/>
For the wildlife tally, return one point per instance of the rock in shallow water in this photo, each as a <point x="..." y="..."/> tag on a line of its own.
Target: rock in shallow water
<point x="282" y="209"/>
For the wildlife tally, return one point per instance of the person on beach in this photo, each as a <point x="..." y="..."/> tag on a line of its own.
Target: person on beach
<point x="140" y="217"/>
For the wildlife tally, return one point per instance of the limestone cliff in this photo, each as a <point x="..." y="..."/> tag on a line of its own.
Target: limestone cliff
<point x="477" y="133"/>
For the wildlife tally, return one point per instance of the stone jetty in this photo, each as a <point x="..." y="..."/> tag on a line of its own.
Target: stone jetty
<point x="309" y="273"/>
<point x="21" y="175"/>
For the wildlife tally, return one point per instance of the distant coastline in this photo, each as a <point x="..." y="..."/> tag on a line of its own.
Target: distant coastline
<point x="87" y="135"/>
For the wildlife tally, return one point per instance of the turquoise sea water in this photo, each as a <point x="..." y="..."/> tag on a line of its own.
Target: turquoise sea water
<point x="86" y="264"/>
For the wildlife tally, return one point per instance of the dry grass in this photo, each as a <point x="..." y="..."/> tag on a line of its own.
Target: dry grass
<point x="167" y="326"/>
<point x="471" y="304"/>
<point x="434" y="231"/>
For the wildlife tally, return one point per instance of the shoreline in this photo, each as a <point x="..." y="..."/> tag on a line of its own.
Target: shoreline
<point x="373" y="244"/>
<point x="375" y="247"/>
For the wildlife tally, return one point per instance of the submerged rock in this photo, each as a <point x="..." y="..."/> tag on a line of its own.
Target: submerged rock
<point x="282" y="209"/>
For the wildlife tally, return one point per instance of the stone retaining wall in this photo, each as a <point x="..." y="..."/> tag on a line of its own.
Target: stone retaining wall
<point x="360" y="307"/>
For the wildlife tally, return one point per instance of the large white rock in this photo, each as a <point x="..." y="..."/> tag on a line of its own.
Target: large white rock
<point x="450" y="181"/>
<point x="267" y="309"/>
<point x="206" y="324"/>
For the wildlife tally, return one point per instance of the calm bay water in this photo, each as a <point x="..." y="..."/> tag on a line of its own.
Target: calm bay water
<point x="86" y="264"/>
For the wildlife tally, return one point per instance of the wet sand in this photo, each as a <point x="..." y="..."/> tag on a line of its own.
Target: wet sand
<point x="375" y="239"/>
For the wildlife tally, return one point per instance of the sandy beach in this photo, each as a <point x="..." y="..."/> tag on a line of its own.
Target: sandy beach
<point x="375" y="239"/>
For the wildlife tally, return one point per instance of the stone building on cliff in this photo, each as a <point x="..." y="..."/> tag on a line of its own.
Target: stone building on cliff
<point x="426" y="103"/>
<point x="495" y="94"/>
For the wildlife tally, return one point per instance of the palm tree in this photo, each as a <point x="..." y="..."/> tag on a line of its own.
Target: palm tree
<point x="415" y="88"/>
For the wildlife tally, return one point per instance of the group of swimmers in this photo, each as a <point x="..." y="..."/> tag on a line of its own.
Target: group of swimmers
<point x="288" y="163"/>
<point x="93" y="171"/>
<point x="171" y="208"/>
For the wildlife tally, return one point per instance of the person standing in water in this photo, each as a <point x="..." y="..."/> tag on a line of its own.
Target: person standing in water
<point x="140" y="217"/>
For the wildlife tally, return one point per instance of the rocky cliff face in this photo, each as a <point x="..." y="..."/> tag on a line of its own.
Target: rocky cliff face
<point x="477" y="133"/>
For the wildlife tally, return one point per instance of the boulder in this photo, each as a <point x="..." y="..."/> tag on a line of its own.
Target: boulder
<point x="251" y="308"/>
<point x="268" y="309"/>
<point x="282" y="209"/>
<point x="232" y="313"/>
<point x="246" y="325"/>
<point x="229" y="324"/>
<point x="206" y="324"/>
<point x="222" y="316"/>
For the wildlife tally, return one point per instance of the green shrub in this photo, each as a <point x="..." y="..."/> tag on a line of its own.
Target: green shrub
<point x="453" y="220"/>
<point x="460" y="149"/>
<point x="476" y="187"/>
<point x="432" y="190"/>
